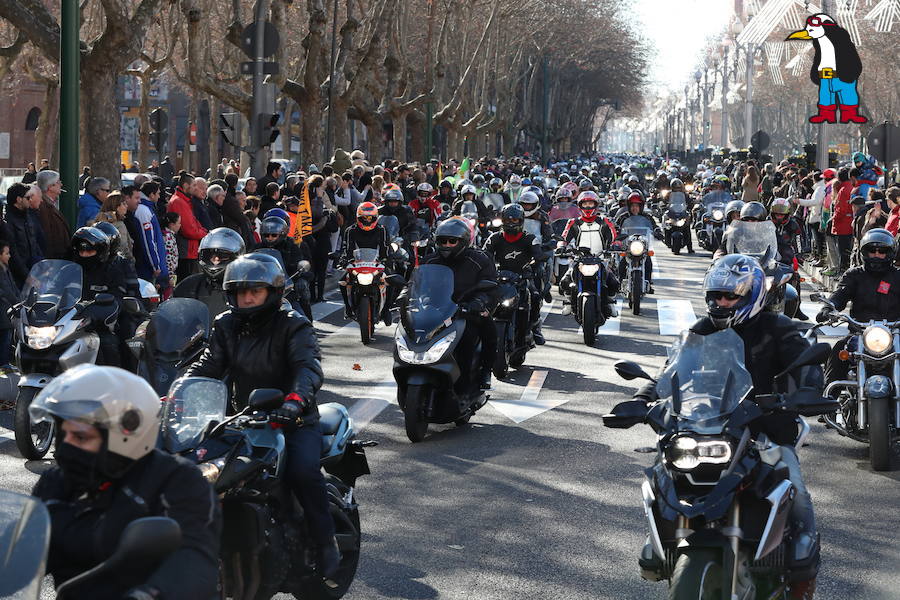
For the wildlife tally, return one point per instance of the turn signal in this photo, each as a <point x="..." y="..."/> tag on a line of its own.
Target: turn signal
<point x="650" y="253"/>
<point x="844" y="355"/>
<point x="621" y="254"/>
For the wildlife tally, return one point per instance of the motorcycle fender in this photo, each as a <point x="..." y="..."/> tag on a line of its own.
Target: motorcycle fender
<point x="35" y="380"/>
<point x="648" y="500"/>
<point x="82" y="351"/>
<point x="878" y="388"/>
<point x="714" y="540"/>
<point x="779" y="500"/>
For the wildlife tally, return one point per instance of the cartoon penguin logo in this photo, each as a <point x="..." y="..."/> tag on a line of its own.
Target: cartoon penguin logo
<point x="835" y="69"/>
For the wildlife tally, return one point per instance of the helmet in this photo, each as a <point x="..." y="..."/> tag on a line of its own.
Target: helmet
<point x="496" y="183"/>
<point x="254" y="270"/>
<point x="463" y="183"/>
<point x="452" y="229"/>
<point x="535" y="171"/>
<point x="737" y="275"/>
<point x="112" y="233"/>
<point x="468" y="189"/>
<point x="676" y="183"/>
<point x="478" y="178"/>
<point x="111" y="399"/>
<point x="219" y="248"/>
<point x="636" y="198"/>
<point x="424" y="189"/>
<point x="877" y="239"/>
<point x="564" y="178"/>
<point x="563" y="192"/>
<point x="515" y="180"/>
<point x="446" y="183"/>
<point x="273" y="226"/>
<point x="530" y="202"/>
<point x="90" y="238"/>
<point x="393" y="195"/>
<point x="734" y="206"/>
<point x="278" y="212"/>
<point x="588" y="203"/>
<point x="538" y="182"/>
<point x="526" y="181"/>
<point x="633" y="180"/>
<point x="513" y="217"/>
<point x="367" y="216"/>
<point x="858" y="157"/>
<point x="753" y="211"/>
<point x="585" y="184"/>
<point x="780" y="209"/>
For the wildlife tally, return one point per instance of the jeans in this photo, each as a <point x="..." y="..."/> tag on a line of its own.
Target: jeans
<point x="5" y="346"/>
<point x="844" y="245"/>
<point x="303" y="476"/>
<point x="834" y="91"/>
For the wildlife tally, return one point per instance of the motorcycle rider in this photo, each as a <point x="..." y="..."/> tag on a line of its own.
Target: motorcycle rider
<point x="107" y="474"/>
<point x="367" y="233"/>
<point x="513" y="249"/>
<point x="259" y="345"/>
<point x="273" y="232"/>
<point x="393" y="206"/>
<point x="635" y="208"/>
<point x="873" y="289"/>
<point x="496" y="187"/>
<point x="425" y="206"/>
<point x="470" y="266"/>
<point x="514" y="187"/>
<point x="735" y="293"/>
<point x="679" y="202"/>
<point x="219" y="248"/>
<point x="119" y="262"/>
<point x="733" y="211"/>
<point x="446" y="194"/>
<point x="468" y="193"/>
<point x="537" y="223"/>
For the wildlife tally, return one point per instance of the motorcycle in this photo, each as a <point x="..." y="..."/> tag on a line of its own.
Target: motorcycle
<point x="636" y="231"/>
<point x="870" y="396"/>
<point x="367" y="289"/>
<point x="512" y="319"/>
<point x="712" y="226"/>
<point x="266" y="545"/>
<point x="718" y="496"/>
<point x="676" y="229"/>
<point x="588" y="277"/>
<point x="54" y="332"/>
<point x="434" y="383"/>
<point x="418" y="239"/>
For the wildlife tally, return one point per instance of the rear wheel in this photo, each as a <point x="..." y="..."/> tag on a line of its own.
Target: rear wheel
<point x="366" y="319"/>
<point x="347" y="531"/>
<point x="501" y="368"/>
<point x="879" y="435"/>
<point x="32" y="439"/>
<point x="414" y="418"/>
<point x="697" y="576"/>
<point x="637" y="290"/>
<point x="589" y="319"/>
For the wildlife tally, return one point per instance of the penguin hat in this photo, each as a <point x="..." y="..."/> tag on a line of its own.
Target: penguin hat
<point x="835" y="69"/>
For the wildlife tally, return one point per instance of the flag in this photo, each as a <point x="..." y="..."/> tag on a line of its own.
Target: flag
<point x="463" y="169"/>
<point x="440" y="171"/>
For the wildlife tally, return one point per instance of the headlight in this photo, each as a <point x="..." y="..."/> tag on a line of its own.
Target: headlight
<point x="420" y="243"/>
<point x="877" y="339"/>
<point x="394" y="246"/>
<point x="497" y="222"/>
<point x="689" y="187"/>
<point x="430" y="356"/>
<point x="664" y="193"/>
<point x="686" y="452"/>
<point x="588" y="270"/>
<point x="40" y="338"/>
<point x="680" y="222"/>
<point x="718" y="215"/>
<point x="507" y="302"/>
<point x="365" y="278"/>
<point x="211" y="470"/>
<point x="636" y="247"/>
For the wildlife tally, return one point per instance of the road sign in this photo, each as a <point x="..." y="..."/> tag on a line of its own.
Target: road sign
<point x="271" y="40"/>
<point x="192" y="136"/>
<point x="760" y="140"/>
<point x="884" y="142"/>
<point x="269" y="68"/>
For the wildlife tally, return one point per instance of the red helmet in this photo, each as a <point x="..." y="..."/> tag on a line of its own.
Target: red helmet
<point x="367" y="216"/>
<point x="636" y="198"/>
<point x="588" y="203"/>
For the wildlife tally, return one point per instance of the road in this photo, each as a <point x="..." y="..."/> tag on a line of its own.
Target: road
<point x="535" y="499"/>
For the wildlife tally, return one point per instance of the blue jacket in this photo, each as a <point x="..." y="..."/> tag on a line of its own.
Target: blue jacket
<point x="88" y="207"/>
<point x="150" y="246"/>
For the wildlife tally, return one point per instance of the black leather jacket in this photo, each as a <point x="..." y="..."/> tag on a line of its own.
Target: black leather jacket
<point x="513" y="256"/>
<point x="469" y="268"/>
<point x="874" y="295"/>
<point x="280" y="351"/>
<point x="200" y="287"/>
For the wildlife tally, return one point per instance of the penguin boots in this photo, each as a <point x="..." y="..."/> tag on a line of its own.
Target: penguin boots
<point x="849" y="114"/>
<point x="827" y="114"/>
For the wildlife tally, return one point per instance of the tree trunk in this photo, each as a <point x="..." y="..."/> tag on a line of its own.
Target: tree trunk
<point x="399" y="123"/>
<point x="44" y="137"/>
<point x="417" y="139"/>
<point x="144" y="115"/>
<point x="102" y="119"/>
<point x="340" y="130"/>
<point x="374" y="147"/>
<point x="311" y="146"/>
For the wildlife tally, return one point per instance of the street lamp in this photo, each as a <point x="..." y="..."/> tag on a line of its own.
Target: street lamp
<point x="687" y="109"/>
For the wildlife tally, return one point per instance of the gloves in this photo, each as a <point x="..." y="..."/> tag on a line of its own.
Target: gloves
<point x="473" y="306"/>
<point x="142" y="592"/>
<point x="824" y="315"/>
<point x="289" y="412"/>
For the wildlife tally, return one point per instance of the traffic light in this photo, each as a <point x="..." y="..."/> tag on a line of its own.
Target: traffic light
<point x="159" y="124"/>
<point x="811" y="156"/>
<point x="229" y="128"/>
<point x="266" y="130"/>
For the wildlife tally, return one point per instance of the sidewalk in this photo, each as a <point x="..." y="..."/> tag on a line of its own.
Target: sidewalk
<point x="814" y="274"/>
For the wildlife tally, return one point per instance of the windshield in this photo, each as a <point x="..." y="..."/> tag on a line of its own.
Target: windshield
<point x="563" y="210"/>
<point x="56" y="281"/>
<point x="431" y="302"/>
<point x="365" y="257"/>
<point x="390" y="224"/>
<point x="704" y="380"/>
<point x="677" y="201"/>
<point x="177" y="324"/>
<point x="193" y="402"/>
<point x="753" y="238"/>
<point x="637" y="225"/>
<point x="24" y="541"/>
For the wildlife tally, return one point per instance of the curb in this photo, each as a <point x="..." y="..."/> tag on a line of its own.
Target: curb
<point x="814" y="274"/>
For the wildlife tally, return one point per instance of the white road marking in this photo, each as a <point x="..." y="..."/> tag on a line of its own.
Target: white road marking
<point x="675" y="315"/>
<point x="530" y="404"/>
<point x="377" y="398"/>
<point x="545" y="310"/>
<point x="613" y="324"/>
<point x="812" y="309"/>
<point x="7" y="434"/>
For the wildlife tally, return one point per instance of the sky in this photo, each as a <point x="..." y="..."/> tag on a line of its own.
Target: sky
<point x="678" y="30"/>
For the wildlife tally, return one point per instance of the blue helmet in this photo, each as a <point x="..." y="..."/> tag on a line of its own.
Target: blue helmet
<point x="734" y="275"/>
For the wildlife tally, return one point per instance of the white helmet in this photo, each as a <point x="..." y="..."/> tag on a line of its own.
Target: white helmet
<point x="529" y="197"/>
<point x="515" y="180"/>
<point x="108" y="398"/>
<point x="468" y="189"/>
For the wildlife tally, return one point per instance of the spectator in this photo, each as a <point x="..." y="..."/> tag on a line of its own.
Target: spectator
<point x="875" y="217"/>
<point x="30" y="175"/>
<point x="377" y="189"/>
<point x="842" y="219"/>
<point x="166" y="170"/>
<point x="750" y="185"/>
<point x="253" y="207"/>
<point x="233" y="216"/>
<point x="150" y="258"/>
<point x="198" y="203"/>
<point x="215" y="198"/>
<point x="45" y="164"/>
<point x="270" y="200"/>
<point x="347" y="197"/>
<point x="115" y="209"/>
<point x="813" y="202"/>
<point x="251" y="186"/>
<point x="191" y="231"/>
<point x="274" y="172"/>
<point x="171" y="225"/>
<point x="53" y="223"/>
<point x="9" y="296"/>
<point x="91" y="202"/>
<point x="24" y="229"/>
<point x="83" y="178"/>
<point x="893" y="202"/>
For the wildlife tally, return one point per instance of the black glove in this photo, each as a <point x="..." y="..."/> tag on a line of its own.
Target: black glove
<point x="142" y="592"/>
<point x="824" y="315"/>
<point x="473" y="306"/>
<point x="289" y="412"/>
<point x="768" y="402"/>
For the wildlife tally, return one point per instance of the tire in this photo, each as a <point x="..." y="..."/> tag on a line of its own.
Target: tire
<point x="697" y="576"/>
<point x="501" y="368"/>
<point x="879" y="434"/>
<point x="413" y="412"/>
<point x="33" y="441"/>
<point x="589" y="320"/>
<point x="637" y="290"/>
<point x="365" y="318"/>
<point x="463" y="421"/>
<point x="517" y="359"/>
<point x="345" y="523"/>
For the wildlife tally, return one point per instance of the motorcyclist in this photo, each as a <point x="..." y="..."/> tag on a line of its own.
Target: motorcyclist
<point x="537" y="223"/>
<point x="259" y="345"/>
<point x="425" y="206"/>
<point x="446" y="194"/>
<point x="470" y="266"/>
<point x="218" y="249"/>
<point x="735" y="293"/>
<point x="393" y="206"/>
<point x="366" y="233"/>
<point x="679" y="203"/>
<point x="273" y="233"/>
<point x="118" y="261"/>
<point x="635" y="208"/>
<point x="514" y="249"/>
<point x="733" y="211"/>
<point x="513" y="187"/>
<point x="873" y="290"/>
<point x="787" y="228"/>
<point x="107" y="474"/>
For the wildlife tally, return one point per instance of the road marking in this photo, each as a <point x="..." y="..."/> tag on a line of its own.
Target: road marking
<point x="674" y="315"/>
<point x="7" y="434"/>
<point x="545" y="310"/>
<point x="323" y="309"/>
<point x="812" y="308"/>
<point x="530" y="404"/>
<point x="613" y="324"/>
<point x="377" y="398"/>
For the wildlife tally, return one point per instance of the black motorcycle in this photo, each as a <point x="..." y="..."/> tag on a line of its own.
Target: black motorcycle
<point x="677" y="229"/>
<point x="266" y="545"/>
<point x="718" y="497"/>
<point x="586" y="292"/>
<point x="434" y="383"/>
<point x="512" y="319"/>
<point x="636" y="233"/>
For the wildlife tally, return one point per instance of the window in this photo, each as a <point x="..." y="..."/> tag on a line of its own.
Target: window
<point x="31" y="121"/>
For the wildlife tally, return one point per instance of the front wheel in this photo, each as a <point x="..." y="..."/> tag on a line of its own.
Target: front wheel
<point x="414" y="417"/>
<point x="501" y="367"/>
<point x="879" y="434"/>
<point x="589" y="320"/>
<point x="637" y="290"/>
<point x="366" y="319"/>
<point x="32" y="439"/>
<point x="348" y="534"/>
<point x="697" y="576"/>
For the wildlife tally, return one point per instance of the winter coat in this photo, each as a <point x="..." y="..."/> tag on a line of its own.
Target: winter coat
<point x="191" y="231"/>
<point x="56" y="230"/>
<point x="842" y="210"/>
<point x="88" y="207"/>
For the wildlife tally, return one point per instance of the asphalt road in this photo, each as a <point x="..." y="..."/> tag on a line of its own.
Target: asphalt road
<point x="535" y="499"/>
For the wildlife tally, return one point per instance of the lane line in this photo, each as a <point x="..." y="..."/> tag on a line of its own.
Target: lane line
<point x="674" y="315"/>
<point x="545" y="310"/>
<point x="530" y="403"/>
<point x="378" y="398"/>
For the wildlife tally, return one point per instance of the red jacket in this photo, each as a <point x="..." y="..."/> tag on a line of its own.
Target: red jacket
<point x="893" y="222"/>
<point x="191" y="229"/>
<point x="841" y="209"/>
<point x="429" y="202"/>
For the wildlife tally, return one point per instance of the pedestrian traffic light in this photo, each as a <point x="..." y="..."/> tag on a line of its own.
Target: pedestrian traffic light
<point x="266" y="129"/>
<point x="229" y="128"/>
<point x="159" y="124"/>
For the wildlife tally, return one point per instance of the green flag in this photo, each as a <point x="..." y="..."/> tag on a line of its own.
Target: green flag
<point x="463" y="169"/>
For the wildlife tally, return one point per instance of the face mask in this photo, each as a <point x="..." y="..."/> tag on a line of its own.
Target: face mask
<point x="80" y="468"/>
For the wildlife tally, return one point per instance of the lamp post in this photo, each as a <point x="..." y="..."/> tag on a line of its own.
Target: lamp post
<point x="687" y="109"/>
<point x="70" y="78"/>
<point x="724" y="139"/>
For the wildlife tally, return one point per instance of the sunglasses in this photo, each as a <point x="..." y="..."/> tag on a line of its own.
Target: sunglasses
<point x="878" y="252"/>
<point x="445" y="241"/>
<point x="725" y="295"/>
<point x="271" y="236"/>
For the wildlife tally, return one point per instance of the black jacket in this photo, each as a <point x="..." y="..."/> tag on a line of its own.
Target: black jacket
<point x="404" y="215"/>
<point x="25" y="243"/>
<point x="9" y="295"/>
<point x="355" y="238"/>
<point x="86" y="530"/>
<point x="200" y="287"/>
<point x="291" y="253"/>
<point x="469" y="268"/>
<point x="513" y="256"/>
<point x="484" y="213"/>
<point x="280" y="352"/>
<point x="103" y="278"/>
<point x="874" y="295"/>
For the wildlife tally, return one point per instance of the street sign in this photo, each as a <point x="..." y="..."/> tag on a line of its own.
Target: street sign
<point x="192" y="137"/>
<point x="269" y="68"/>
<point x="884" y="142"/>
<point x="760" y="140"/>
<point x="271" y="40"/>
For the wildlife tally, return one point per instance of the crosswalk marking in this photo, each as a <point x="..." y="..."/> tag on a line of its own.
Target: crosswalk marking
<point x="530" y="403"/>
<point x="674" y="315"/>
<point x="377" y="398"/>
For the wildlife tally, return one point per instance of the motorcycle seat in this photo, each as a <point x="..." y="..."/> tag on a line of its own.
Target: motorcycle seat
<point x="331" y="417"/>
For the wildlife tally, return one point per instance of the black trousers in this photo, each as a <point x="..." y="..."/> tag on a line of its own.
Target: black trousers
<point x="321" y="247"/>
<point x="478" y="328"/>
<point x="304" y="477"/>
<point x="187" y="267"/>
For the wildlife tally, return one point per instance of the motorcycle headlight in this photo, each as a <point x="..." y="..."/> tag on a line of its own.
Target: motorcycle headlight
<point x="680" y="222"/>
<point x="687" y="452"/>
<point x="365" y="278"/>
<point x="40" y="338"/>
<point x="689" y="187"/>
<point x="394" y="246"/>
<point x="588" y="270"/>
<point x="430" y="356"/>
<point x="497" y="222"/>
<point x="664" y="193"/>
<point x="718" y="215"/>
<point x="211" y="470"/>
<point x="636" y="247"/>
<point x="877" y="340"/>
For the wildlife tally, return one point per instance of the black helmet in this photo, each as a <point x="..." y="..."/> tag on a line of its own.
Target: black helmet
<point x="252" y="271"/>
<point x="513" y="217"/>
<point x="90" y="238"/>
<point x="446" y="183"/>
<point x="564" y="178"/>
<point x="585" y="184"/>
<point x="273" y="226"/>
<point x="877" y="239"/>
<point x="218" y="249"/>
<point x="677" y="185"/>
<point x="113" y="234"/>
<point x="393" y="195"/>
<point x="754" y="211"/>
<point x="453" y="228"/>
<point x="478" y="178"/>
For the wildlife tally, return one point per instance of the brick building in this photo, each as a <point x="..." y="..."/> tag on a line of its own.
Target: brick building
<point x="19" y="113"/>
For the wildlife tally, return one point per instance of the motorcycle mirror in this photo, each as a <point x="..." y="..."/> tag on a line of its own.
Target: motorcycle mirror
<point x="266" y="399"/>
<point x="104" y="299"/>
<point x="626" y="414"/>
<point x="303" y="266"/>
<point x="814" y="355"/>
<point x="629" y="370"/>
<point x="144" y="541"/>
<point x="132" y="306"/>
